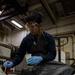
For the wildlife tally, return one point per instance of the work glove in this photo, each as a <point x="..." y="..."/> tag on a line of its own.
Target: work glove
<point x="8" y="64"/>
<point x="34" y="60"/>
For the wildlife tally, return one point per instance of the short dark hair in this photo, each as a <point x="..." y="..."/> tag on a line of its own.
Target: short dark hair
<point x="36" y="16"/>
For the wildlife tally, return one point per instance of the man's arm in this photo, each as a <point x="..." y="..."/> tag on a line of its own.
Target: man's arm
<point x="51" y="50"/>
<point x="20" y="53"/>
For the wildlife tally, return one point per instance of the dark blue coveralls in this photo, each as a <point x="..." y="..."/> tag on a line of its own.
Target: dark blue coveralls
<point x="44" y="46"/>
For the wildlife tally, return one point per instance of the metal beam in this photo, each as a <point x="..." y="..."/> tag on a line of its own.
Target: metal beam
<point x="48" y="10"/>
<point x="14" y="13"/>
<point x="3" y="32"/>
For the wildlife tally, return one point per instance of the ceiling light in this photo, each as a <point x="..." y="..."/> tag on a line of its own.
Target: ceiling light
<point x="17" y="24"/>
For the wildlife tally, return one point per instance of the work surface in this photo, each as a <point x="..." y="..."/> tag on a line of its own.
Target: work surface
<point x="50" y="68"/>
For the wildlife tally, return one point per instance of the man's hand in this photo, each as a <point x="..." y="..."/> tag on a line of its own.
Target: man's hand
<point x="8" y="64"/>
<point x="34" y="60"/>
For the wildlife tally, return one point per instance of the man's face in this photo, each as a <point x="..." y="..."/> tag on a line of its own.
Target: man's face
<point x="34" y="27"/>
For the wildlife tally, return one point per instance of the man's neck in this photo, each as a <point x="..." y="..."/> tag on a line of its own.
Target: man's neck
<point x="39" y="33"/>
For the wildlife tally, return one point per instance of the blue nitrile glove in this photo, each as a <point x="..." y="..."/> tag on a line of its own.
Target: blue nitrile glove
<point x="34" y="60"/>
<point x="8" y="64"/>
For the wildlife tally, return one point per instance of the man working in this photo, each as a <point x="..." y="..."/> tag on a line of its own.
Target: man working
<point x="39" y="43"/>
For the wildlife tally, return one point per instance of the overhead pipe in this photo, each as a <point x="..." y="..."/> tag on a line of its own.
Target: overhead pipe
<point x="48" y="10"/>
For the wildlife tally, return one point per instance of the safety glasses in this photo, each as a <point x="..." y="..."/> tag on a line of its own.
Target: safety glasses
<point x="32" y="25"/>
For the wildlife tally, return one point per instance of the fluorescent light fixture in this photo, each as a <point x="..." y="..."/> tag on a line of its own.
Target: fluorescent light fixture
<point x="17" y="24"/>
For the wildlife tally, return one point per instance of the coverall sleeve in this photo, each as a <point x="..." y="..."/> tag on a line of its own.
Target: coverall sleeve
<point x="51" y="50"/>
<point x="20" y="53"/>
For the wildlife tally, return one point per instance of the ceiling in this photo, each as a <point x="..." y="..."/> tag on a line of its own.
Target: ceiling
<point x="18" y="10"/>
